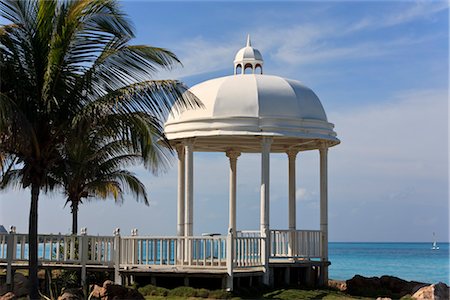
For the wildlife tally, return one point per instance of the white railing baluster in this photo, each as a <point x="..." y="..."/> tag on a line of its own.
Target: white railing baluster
<point x="22" y="247"/>
<point x="211" y="252"/>
<point x="190" y="251"/>
<point x="147" y="250"/>
<point x="204" y="252"/>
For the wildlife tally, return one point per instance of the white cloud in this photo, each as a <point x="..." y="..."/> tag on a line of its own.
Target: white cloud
<point x="305" y="42"/>
<point x="406" y="14"/>
<point x="306" y="196"/>
<point x="301" y="194"/>
<point x="200" y="55"/>
<point x="393" y="162"/>
<point x="419" y="10"/>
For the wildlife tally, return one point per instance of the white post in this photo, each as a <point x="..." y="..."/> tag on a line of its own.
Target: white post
<point x="292" y="155"/>
<point x="181" y="189"/>
<point x="83" y="250"/>
<point x="324" y="211"/>
<point x="134" y="255"/>
<point x="181" y="198"/>
<point x="232" y="155"/>
<point x="117" y="277"/>
<point x="230" y="260"/>
<point x="189" y="217"/>
<point x="264" y="216"/>
<point x="135" y="260"/>
<point x="10" y="255"/>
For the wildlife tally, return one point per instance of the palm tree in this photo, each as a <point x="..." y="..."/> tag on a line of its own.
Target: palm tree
<point x="95" y="155"/>
<point x="60" y="61"/>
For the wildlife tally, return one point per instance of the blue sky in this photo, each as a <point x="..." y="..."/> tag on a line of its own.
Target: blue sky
<point x="381" y="72"/>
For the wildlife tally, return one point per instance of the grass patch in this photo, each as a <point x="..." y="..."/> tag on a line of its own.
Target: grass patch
<point x="327" y="294"/>
<point x="183" y="293"/>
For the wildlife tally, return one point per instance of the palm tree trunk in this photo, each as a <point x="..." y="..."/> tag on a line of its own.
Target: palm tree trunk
<point x="33" y="243"/>
<point x="74" y="216"/>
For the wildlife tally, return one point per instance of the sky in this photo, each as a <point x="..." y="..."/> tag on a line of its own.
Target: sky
<point x="381" y="70"/>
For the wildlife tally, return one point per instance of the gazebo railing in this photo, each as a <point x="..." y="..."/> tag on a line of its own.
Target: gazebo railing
<point x="248" y="251"/>
<point x="135" y="251"/>
<point x="295" y="243"/>
<point x="290" y="243"/>
<point x="171" y="251"/>
<point x="65" y="249"/>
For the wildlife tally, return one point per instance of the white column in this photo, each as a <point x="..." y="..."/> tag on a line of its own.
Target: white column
<point x="265" y="176"/>
<point x="189" y="217"/>
<point x="232" y="155"/>
<point x="292" y="155"/>
<point x="324" y="208"/>
<point x="265" y="180"/>
<point x="181" y="189"/>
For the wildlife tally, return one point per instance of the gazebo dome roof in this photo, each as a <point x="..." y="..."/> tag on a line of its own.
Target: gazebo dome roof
<point x="239" y="109"/>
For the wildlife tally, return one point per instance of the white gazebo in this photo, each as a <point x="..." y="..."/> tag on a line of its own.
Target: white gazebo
<point x="251" y="112"/>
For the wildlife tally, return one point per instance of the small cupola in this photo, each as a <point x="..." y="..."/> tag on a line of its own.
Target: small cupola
<point x="249" y="60"/>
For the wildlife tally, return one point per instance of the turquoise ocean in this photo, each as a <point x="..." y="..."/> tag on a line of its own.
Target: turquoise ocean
<point x="409" y="261"/>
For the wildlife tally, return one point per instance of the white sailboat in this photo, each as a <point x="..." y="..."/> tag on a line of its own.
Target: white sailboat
<point x="435" y="246"/>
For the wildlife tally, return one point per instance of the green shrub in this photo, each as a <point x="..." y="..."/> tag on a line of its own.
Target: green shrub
<point x="146" y="290"/>
<point x="219" y="294"/>
<point x="202" y="293"/>
<point x="183" y="291"/>
<point x="151" y="290"/>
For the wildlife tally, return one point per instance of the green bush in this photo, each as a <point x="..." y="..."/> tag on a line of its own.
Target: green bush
<point x="183" y="291"/>
<point x="219" y="294"/>
<point x="202" y="293"/>
<point x="151" y="290"/>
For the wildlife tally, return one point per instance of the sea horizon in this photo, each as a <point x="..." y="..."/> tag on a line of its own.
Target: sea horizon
<point x="413" y="261"/>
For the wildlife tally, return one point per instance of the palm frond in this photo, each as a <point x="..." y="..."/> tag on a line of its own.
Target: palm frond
<point x="11" y="179"/>
<point x="131" y="184"/>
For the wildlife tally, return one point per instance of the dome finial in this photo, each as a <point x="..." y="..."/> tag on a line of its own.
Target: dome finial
<point x="248" y="58"/>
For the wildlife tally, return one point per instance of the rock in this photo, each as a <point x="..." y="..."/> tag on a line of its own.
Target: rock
<point x="72" y="294"/>
<point x="111" y="291"/>
<point x="21" y="285"/>
<point x="108" y="282"/>
<point x="339" y="285"/>
<point x="8" y="296"/>
<point x="439" y="291"/>
<point x="385" y="286"/>
<point x="98" y="292"/>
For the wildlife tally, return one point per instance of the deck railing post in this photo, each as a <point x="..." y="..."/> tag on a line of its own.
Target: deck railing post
<point x="134" y="251"/>
<point x="265" y="254"/>
<point x="83" y="254"/>
<point x="116" y="258"/>
<point x="10" y="256"/>
<point x="230" y="260"/>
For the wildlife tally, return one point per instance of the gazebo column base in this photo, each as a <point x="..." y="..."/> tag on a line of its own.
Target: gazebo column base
<point x="228" y="283"/>
<point x="323" y="274"/>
